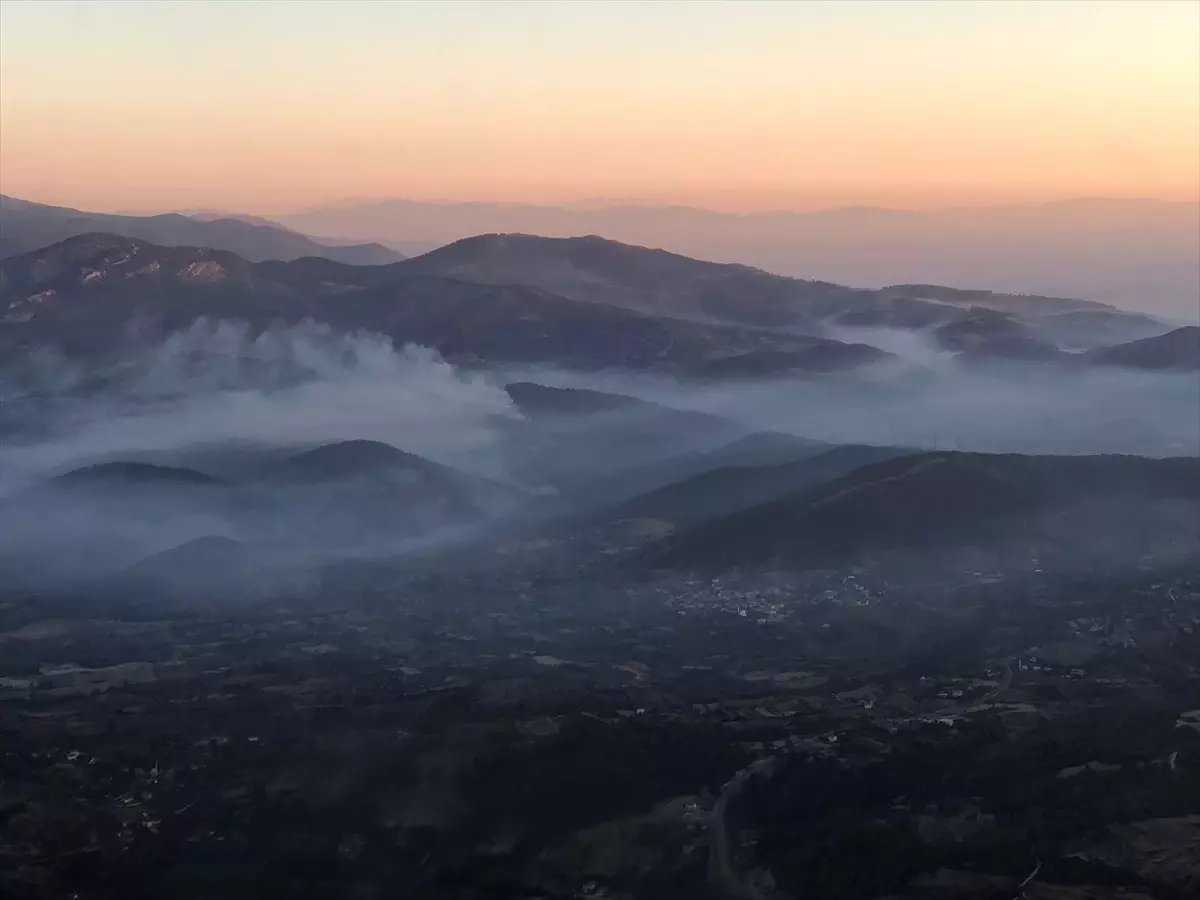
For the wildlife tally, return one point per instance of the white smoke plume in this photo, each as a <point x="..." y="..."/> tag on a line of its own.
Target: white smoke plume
<point x="216" y="383"/>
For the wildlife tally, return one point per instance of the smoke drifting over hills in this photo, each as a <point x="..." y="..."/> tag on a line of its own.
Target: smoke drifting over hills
<point x="835" y="537"/>
<point x="394" y="449"/>
<point x="216" y="383"/>
<point x="397" y="381"/>
<point x="928" y="397"/>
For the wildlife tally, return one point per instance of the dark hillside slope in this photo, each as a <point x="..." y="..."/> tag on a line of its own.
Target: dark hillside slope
<point x="597" y="270"/>
<point x="725" y="490"/>
<point x="1175" y="350"/>
<point x="353" y="459"/>
<point x="987" y="334"/>
<point x="753" y="451"/>
<point x="386" y="476"/>
<point x="534" y="399"/>
<point x="117" y="486"/>
<point x="360" y="486"/>
<point x="130" y="475"/>
<point x="930" y="500"/>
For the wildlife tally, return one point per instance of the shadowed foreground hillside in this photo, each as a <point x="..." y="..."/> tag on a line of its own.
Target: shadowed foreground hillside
<point x="927" y="501"/>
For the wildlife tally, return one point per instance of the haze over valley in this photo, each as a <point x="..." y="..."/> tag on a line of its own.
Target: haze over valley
<point x="820" y="521"/>
<point x="467" y="462"/>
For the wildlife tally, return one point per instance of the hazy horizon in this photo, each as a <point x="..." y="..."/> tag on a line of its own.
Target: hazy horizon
<point x="584" y="204"/>
<point x="692" y="127"/>
<point x="270" y="108"/>
<point x="1139" y="254"/>
<point x="599" y="203"/>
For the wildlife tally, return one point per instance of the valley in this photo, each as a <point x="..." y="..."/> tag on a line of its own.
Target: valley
<point x="564" y="569"/>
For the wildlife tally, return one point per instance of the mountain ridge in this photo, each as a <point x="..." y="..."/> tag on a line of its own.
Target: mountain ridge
<point x="28" y="226"/>
<point x="127" y="281"/>
<point x="1136" y="254"/>
<point x="582" y="302"/>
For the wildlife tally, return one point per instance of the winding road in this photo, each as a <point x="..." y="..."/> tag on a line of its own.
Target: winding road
<point x="720" y="872"/>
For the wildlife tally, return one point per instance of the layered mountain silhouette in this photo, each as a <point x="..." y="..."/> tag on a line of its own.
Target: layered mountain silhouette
<point x="582" y="303"/>
<point x="1145" y="253"/>
<point x="27" y="226"/>
<point x="596" y="270"/>
<point x="83" y="294"/>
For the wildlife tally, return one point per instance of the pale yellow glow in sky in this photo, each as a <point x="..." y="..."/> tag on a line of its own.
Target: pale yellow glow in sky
<point x="269" y="106"/>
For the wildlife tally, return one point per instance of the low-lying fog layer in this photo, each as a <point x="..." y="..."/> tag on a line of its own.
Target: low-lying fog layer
<point x="214" y="384"/>
<point x="306" y="385"/>
<point x="300" y="443"/>
<point x="927" y="398"/>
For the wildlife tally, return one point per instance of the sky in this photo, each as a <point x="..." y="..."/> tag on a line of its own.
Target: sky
<point x="268" y="107"/>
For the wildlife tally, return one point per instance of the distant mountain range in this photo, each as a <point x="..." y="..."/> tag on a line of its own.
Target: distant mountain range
<point x="578" y="302"/>
<point x="26" y="226"/>
<point x="1136" y="254"/>
<point x="84" y="294"/>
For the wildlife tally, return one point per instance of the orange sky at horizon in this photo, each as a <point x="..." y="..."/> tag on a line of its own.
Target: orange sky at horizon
<point x="269" y="107"/>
